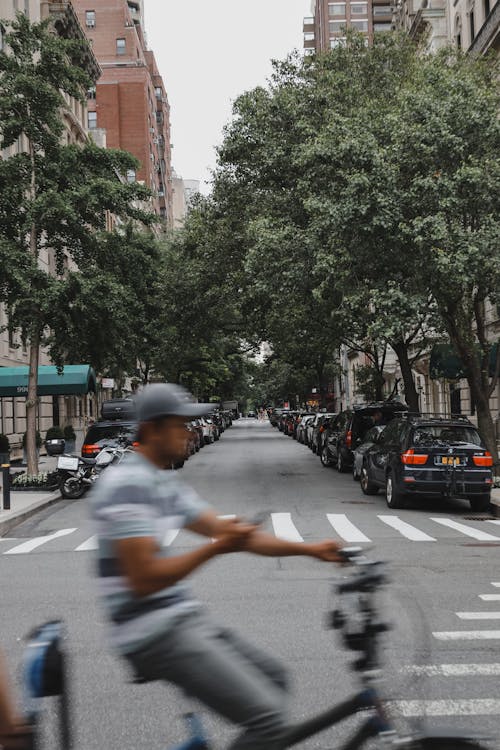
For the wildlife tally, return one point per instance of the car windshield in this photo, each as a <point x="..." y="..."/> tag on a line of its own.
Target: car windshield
<point x="446" y="435"/>
<point x="109" y="434"/>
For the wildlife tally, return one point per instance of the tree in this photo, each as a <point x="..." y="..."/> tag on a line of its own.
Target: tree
<point x="54" y="197"/>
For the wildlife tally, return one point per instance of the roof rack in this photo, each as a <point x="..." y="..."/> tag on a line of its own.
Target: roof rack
<point x="434" y="416"/>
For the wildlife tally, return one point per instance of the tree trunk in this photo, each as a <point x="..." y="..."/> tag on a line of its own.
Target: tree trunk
<point x="485" y="421"/>
<point x="32" y="404"/>
<point x="411" y="394"/>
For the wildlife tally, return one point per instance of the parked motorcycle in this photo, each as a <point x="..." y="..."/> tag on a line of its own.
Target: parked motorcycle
<point x="77" y="474"/>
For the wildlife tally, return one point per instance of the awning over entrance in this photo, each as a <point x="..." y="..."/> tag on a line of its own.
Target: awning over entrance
<point x="73" y="380"/>
<point x="445" y="362"/>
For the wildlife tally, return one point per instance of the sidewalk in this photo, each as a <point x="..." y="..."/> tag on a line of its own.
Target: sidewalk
<point x="25" y="504"/>
<point x="495" y="502"/>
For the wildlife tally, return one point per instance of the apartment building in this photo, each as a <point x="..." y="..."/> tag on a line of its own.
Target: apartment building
<point x="129" y="101"/>
<point x="53" y="409"/>
<point x="326" y="27"/>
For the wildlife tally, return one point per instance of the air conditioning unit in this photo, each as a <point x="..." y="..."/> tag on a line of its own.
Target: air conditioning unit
<point x="90" y="24"/>
<point x="152" y="130"/>
<point x="156" y="140"/>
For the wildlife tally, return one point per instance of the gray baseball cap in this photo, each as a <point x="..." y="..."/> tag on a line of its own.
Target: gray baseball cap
<point x="168" y="400"/>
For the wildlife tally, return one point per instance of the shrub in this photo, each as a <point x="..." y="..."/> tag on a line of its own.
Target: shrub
<point x="38" y="440"/>
<point x="54" y="433"/>
<point x="69" y="433"/>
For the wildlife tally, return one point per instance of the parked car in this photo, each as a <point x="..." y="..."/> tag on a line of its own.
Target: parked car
<point x="208" y="430"/>
<point x="369" y="439"/>
<point x="289" y="427"/>
<point x="429" y="457"/>
<point x="282" y="418"/>
<point x="274" y="416"/>
<point x="301" y="427"/>
<point x="310" y="427"/>
<point x="198" y="427"/>
<point x="320" y="424"/>
<point x="348" y="430"/>
<point x="251" y="415"/>
<point x="108" y="433"/>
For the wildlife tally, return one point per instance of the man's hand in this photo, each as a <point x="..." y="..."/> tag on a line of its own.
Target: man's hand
<point x="234" y="537"/>
<point x="327" y="551"/>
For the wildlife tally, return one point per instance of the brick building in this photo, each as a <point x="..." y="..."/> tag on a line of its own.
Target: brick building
<point x="129" y="101"/>
<point x="329" y="19"/>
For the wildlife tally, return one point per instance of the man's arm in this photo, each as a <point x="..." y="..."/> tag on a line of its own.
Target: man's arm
<point x="210" y="525"/>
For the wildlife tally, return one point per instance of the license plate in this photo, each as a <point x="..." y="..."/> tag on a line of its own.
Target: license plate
<point x="450" y="460"/>
<point x="68" y="463"/>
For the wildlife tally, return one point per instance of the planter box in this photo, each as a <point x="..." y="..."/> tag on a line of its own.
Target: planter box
<point x="41" y="488"/>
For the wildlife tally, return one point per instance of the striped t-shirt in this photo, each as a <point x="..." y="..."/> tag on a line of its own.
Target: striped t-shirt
<point x="135" y="499"/>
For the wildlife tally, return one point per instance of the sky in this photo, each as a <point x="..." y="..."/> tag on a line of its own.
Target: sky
<point x="209" y="52"/>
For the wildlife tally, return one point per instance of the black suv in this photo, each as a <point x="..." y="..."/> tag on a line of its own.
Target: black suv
<point x="348" y="430"/>
<point x="432" y="456"/>
<point x="118" y="426"/>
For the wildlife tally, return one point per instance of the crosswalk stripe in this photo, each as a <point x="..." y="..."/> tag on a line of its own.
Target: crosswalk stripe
<point x="32" y="544"/>
<point x="284" y="527"/>
<point x="90" y="544"/>
<point x="481" y="536"/>
<point x="406" y="529"/>
<point x="345" y="529"/>
<point x="472" y="707"/>
<point x="479" y="615"/>
<point x="468" y="635"/>
<point x="496" y="584"/>
<point x="490" y="597"/>
<point x="453" y="670"/>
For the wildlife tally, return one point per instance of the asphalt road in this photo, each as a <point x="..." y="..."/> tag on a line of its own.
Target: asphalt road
<point x="441" y="657"/>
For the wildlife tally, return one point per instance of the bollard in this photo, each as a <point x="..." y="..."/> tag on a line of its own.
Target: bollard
<point x="6" y="486"/>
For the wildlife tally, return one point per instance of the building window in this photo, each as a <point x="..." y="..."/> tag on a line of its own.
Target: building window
<point x="90" y="19"/>
<point x="382" y="10"/>
<point x="27" y="8"/>
<point x="158" y="92"/>
<point x="359" y="9"/>
<point x="309" y="37"/>
<point x="91" y="92"/>
<point x="360" y="25"/>
<point x="378" y="27"/>
<point x="92" y="120"/>
<point x="159" y="117"/>
<point x="337" y="10"/>
<point x="131" y="176"/>
<point x="336" y="27"/>
<point x="2" y="32"/>
<point x="458" y="32"/>
<point x="338" y="42"/>
<point x="487" y="8"/>
<point x="472" y="27"/>
<point x="121" y="47"/>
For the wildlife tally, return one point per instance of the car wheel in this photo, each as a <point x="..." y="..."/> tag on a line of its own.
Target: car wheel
<point x="480" y="503"/>
<point x="341" y="467"/>
<point x="394" y="497"/>
<point x="325" y="459"/>
<point x="367" y="486"/>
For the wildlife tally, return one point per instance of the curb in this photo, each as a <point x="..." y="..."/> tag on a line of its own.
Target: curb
<point x="23" y="515"/>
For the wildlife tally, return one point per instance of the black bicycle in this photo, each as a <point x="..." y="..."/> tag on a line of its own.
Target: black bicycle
<point x="45" y="675"/>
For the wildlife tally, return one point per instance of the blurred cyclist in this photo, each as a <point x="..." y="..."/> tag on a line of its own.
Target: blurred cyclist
<point x="156" y="624"/>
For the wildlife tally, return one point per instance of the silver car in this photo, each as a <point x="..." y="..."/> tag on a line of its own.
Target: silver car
<point x="369" y="439"/>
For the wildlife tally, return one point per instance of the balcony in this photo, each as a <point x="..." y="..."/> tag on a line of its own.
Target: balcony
<point x="488" y="36"/>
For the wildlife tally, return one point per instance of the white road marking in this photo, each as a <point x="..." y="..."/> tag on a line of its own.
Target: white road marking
<point x="284" y="527"/>
<point x="21" y="549"/>
<point x="90" y="544"/>
<point x="406" y="529"/>
<point x="468" y="635"/>
<point x="345" y="529"/>
<point x="473" y="707"/>
<point x="479" y="615"/>
<point x="490" y="597"/>
<point x="482" y="536"/>
<point x="170" y="536"/>
<point x="496" y="584"/>
<point x="453" y="670"/>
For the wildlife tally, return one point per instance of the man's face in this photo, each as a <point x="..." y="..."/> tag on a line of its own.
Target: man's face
<point x="168" y="438"/>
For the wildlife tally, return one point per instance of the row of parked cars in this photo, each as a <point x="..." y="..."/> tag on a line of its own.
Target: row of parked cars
<point x="118" y="426"/>
<point x="408" y="455"/>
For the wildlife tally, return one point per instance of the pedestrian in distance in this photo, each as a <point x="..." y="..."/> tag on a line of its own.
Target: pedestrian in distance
<point x="155" y="623"/>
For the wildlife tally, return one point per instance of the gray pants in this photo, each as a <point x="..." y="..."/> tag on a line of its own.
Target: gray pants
<point x="226" y="673"/>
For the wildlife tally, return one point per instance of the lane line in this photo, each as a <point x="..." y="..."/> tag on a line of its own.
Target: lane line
<point x="481" y="536"/>
<point x="479" y="615"/>
<point x="284" y="527"/>
<point x="468" y="635"/>
<point x="453" y="670"/>
<point x="406" y="529"/>
<point x="21" y="549"/>
<point x="490" y="597"/>
<point x="473" y="707"/>
<point x="90" y="544"/>
<point x="345" y="529"/>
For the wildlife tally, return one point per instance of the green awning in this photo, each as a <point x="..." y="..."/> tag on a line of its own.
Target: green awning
<point x="445" y="362"/>
<point x="72" y="380"/>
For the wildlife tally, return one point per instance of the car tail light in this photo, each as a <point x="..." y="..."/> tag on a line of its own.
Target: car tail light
<point x="410" y="458"/>
<point x="135" y="444"/>
<point x="89" y="449"/>
<point x="485" y="459"/>
<point x="348" y="440"/>
<point x="321" y="429"/>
